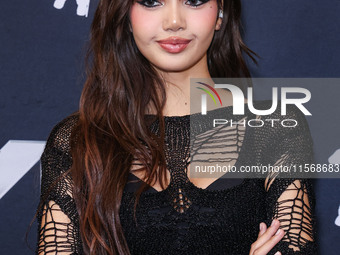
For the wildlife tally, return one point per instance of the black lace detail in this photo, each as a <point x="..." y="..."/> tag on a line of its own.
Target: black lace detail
<point x="177" y="159"/>
<point x="58" y="222"/>
<point x="222" y="218"/>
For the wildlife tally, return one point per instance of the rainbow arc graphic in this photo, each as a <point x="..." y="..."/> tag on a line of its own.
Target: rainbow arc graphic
<point x="209" y="93"/>
<point x="204" y="96"/>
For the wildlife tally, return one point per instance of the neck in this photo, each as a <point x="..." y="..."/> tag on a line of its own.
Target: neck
<point x="177" y="87"/>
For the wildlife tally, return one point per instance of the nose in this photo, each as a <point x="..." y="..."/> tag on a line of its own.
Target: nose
<point x="174" y="18"/>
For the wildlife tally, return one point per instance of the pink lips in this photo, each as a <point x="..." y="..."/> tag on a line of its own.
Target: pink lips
<point x="174" y="44"/>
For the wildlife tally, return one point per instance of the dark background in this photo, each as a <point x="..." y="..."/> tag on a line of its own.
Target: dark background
<point x="41" y="77"/>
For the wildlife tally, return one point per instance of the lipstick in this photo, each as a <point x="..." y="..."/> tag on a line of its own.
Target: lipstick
<point x="174" y="44"/>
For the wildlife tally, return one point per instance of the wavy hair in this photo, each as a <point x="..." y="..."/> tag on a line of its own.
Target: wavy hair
<point x="112" y="130"/>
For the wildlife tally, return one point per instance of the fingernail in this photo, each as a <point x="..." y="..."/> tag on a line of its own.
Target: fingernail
<point x="278" y="253"/>
<point x="278" y="232"/>
<point x="273" y="222"/>
<point x="261" y="226"/>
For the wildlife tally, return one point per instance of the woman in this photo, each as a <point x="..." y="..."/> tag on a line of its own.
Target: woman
<point x="134" y="115"/>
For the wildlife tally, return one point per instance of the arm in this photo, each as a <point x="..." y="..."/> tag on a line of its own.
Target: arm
<point x="295" y="212"/>
<point x="57" y="215"/>
<point x="55" y="235"/>
<point x="291" y="200"/>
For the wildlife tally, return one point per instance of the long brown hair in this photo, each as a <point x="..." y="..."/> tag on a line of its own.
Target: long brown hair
<point x="112" y="129"/>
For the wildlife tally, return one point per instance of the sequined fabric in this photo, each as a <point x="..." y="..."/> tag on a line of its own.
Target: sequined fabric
<point x="222" y="218"/>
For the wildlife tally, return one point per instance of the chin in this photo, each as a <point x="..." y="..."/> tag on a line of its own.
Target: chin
<point x="175" y="67"/>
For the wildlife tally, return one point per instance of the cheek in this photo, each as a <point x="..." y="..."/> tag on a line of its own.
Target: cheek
<point x="143" y="23"/>
<point x="204" y="21"/>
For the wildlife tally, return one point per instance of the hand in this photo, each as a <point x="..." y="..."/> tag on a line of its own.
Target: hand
<point x="267" y="238"/>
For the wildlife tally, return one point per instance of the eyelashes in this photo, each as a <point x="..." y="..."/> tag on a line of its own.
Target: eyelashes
<point x="200" y="2"/>
<point x="149" y="3"/>
<point x="155" y="3"/>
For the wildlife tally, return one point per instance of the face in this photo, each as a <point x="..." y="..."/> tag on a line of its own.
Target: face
<point x="174" y="35"/>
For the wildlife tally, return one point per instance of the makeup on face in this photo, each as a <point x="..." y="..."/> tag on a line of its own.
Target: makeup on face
<point x="174" y="35"/>
<point x="155" y="3"/>
<point x="174" y="44"/>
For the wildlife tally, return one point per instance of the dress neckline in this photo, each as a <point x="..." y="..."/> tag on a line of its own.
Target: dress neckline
<point x="197" y="118"/>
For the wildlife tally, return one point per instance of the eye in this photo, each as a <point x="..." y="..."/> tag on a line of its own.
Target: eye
<point x="149" y="3"/>
<point x="196" y="3"/>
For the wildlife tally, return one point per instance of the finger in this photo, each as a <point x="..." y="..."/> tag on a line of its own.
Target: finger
<point x="267" y="234"/>
<point x="263" y="228"/>
<point x="266" y="247"/>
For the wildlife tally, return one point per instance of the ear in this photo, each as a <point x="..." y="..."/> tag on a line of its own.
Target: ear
<point x="218" y="24"/>
<point x="220" y="17"/>
<point x="219" y="20"/>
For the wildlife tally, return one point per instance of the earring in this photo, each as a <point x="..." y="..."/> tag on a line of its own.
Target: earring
<point x="220" y="14"/>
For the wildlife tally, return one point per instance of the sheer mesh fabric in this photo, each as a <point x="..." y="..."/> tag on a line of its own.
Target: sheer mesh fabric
<point x="220" y="217"/>
<point x="292" y="200"/>
<point x="58" y="231"/>
<point x="221" y="144"/>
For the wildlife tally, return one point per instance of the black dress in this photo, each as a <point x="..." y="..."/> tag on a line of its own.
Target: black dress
<point x="222" y="218"/>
